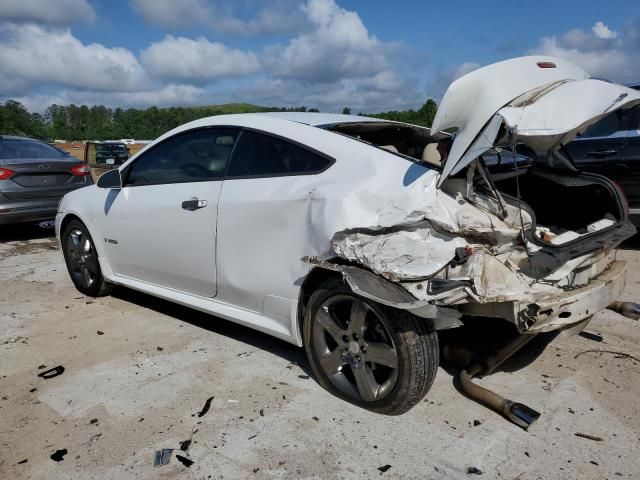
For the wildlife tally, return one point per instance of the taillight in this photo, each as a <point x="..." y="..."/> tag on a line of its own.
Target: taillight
<point x="81" y="170"/>
<point x="5" y="173"/>
<point x="546" y="65"/>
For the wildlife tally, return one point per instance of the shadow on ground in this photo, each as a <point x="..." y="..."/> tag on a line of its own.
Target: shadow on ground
<point x="25" y="231"/>
<point x="217" y="325"/>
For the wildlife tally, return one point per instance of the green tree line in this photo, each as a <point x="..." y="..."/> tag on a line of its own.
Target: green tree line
<point x="82" y="122"/>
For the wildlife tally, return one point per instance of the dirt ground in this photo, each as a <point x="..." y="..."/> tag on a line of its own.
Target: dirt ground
<point x="138" y="372"/>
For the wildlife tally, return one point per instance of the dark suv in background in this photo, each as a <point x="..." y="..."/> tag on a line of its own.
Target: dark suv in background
<point x="111" y="153"/>
<point x="611" y="148"/>
<point x="34" y="176"/>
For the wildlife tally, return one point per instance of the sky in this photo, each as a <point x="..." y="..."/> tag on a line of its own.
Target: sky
<point x="368" y="55"/>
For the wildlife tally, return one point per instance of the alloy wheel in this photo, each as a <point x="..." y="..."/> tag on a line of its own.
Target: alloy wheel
<point x="355" y="348"/>
<point x="82" y="258"/>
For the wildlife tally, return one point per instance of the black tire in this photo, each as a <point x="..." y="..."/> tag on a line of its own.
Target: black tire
<point x="412" y="339"/>
<point x="81" y="259"/>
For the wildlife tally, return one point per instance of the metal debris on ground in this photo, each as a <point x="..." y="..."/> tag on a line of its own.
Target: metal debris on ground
<point x="588" y="437"/>
<point x="58" y="455"/>
<point x="205" y="409"/>
<point x="187" y="462"/>
<point x="52" y="372"/>
<point x="162" y="457"/>
<point x="185" y="444"/>
<point x="474" y="471"/>
<point x="618" y="354"/>
<point x="384" y="468"/>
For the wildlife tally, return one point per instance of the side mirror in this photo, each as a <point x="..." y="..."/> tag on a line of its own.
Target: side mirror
<point x="110" y="179"/>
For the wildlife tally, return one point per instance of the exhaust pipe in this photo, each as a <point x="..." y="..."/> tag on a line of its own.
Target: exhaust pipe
<point x="518" y="413"/>
<point x="515" y="412"/>
<point x="626" y="309"/>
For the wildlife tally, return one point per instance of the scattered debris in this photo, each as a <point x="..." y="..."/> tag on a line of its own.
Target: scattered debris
<point x="41" y="367"/>
<point x="58" y="455"/>
<point x="162" y="457"/>
<point x="613" y="352"/>
<point x="93" y="420"/>
<point x="304" y="377"/>
<point x="53" y="372"/>
<point x="384" y="468"/>
<point x="252" y="437"/>
<point x="33" y="390"/>
<point x="588" y="437"/>
<point x="262" y="412"/>
<point x="316" y="419"/>
<point x="477" y="423"/>
<point x="23" y="461"/>
<point x="89" y="302"/>
<point x="187" y="462"/>
<point x="159" y="349"/>
<point x="474" y="471"/>
<point x="205" y="409"/>
<point x="591" y="336"/>
<point x="256" y="470"/>
<point x="100" y="332"/>
<point x="185" y="444"/>
<point x="593" y="463"/>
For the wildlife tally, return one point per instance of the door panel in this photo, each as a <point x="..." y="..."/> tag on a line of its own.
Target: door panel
<point x="630" y="182"/>
<point x="602" y="149"/>
<point x="160" y="228"/>
<point x="150" y="237"/>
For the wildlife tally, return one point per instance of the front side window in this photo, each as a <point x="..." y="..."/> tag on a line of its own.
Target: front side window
<point x="195" y="156"/>
<point x="258" y="155"/>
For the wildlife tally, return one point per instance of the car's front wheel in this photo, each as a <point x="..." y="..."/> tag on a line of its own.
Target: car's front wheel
<point x="379" y="358"/>
<point x="81" y="258"/>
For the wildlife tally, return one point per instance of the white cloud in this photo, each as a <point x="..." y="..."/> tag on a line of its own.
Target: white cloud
<point x="32" y="55"/>
<point x="601" y="51"/>
<point x="225" y="17"/>
<point x="602" y="31"/>
<point x="338" y="46"/>
<point x="47" y="12"/>
<point x="197" y="61"/>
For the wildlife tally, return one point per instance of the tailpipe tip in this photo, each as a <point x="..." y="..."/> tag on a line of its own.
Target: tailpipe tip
<point x="520" y="414"/>
<point x="626" y="309"/>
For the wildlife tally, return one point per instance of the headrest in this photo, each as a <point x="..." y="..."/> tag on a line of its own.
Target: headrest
<point x="431" y="154"/>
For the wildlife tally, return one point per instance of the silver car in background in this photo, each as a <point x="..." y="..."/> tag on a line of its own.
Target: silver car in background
<point x="34" y="176"/>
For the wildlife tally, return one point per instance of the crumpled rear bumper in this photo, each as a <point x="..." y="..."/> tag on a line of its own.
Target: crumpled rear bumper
<point x="568" y="308"/>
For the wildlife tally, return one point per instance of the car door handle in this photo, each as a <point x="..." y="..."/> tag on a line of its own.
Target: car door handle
<point x="601" y="153"/>
<point x="194" y="204"/>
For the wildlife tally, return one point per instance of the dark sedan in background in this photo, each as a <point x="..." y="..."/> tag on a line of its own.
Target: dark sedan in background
<point x="34" y="176"/>
<point x="611" y="148"/>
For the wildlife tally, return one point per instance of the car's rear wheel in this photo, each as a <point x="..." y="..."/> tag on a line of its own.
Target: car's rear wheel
<point x="380" y="358"/>
<point x="81" y="258"/>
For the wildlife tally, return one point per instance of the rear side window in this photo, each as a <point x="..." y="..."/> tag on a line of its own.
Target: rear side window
<point x="14" y="149"/>
<point x="260" y="155"/>
<point x="195" y="156"/>
<point x="610" y="125"/>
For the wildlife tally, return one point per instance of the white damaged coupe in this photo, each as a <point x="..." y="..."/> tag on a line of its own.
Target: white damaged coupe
<point x="360" y="238"/>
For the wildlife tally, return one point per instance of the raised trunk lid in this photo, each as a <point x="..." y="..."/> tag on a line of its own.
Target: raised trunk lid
<point x="543" y="102"/>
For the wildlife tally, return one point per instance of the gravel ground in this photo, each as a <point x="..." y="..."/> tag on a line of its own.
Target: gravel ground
<point x="138" y="372"/>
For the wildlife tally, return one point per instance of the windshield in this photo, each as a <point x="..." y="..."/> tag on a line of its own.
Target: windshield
<point x="15" y="148"/>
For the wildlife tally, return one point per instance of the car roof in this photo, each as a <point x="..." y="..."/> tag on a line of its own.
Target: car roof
<point x="17" y="137"/>
<point x="316" y="119"/>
